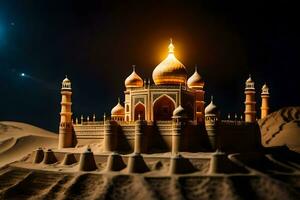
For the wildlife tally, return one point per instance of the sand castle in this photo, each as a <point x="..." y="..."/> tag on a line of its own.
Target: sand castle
<point x="162" y="144"/>
<point x="167" y="116"/>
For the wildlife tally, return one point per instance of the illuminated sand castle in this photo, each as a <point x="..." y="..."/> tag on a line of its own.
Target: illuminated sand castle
<point x="167" y="116"/>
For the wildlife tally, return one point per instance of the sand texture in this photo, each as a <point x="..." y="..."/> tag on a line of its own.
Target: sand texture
<point x="272" y="173"/>
<point x="18" y="140"/>
<point x="282" y="128"/>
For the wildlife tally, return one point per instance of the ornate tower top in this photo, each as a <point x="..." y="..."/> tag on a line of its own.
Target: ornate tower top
<point x="265" y="90"/>
<point x="249" y="83"/>
<point x="66" y="84"/>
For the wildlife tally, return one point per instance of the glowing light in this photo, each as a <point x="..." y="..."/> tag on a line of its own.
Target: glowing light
<point x="23" y="74"/>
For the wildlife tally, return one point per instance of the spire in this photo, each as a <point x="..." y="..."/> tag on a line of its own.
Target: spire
<point x="133" y="68"/>
<point x="171" y="47"/>
<point x="212" y="98"/>
<point x="196" y="68"/>
<point x="118" y="100"/>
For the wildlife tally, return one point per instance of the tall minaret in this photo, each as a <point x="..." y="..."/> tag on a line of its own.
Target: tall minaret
<point x="250" y="112"/>
<point x="65" y="128"/>
<point x="265" y="95"/>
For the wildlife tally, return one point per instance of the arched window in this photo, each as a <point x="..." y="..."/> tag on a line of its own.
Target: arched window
<point x="163" y="108"/>
<point x="139" y="110"/>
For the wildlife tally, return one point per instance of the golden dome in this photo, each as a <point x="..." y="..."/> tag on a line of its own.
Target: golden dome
<point x="195" y="81"/>
<point x="118" y="110"/>
<point x="170" y="70"/>
<point x="133" y="80"/>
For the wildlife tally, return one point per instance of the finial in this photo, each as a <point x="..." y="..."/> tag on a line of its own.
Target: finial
<point x="196" y="68"/>
<point x="118" y="99"/>
<point x="133" y="68"/>
<point x="104" y="117"/>
<point x="212" y="98"/>
<point x="171" y="46"/>
<point x="94" y="117"/>
<point x="66" y="76"/>
<point x="76" y="120"/>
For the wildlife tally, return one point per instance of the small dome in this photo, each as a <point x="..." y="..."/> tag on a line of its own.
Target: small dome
<point x="118" y="110"/>
<point x="179" y="112"/>
<point x="195" y="81"/>
<point x="249" y="80"/>
<point x="133" y="80"/>
<point x="170" y="71"/>
<point x="211" y="108"/>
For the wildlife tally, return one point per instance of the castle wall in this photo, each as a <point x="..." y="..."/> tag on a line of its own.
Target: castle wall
<point x="233" y="136"/>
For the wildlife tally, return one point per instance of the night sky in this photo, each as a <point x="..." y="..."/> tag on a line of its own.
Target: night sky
<point x="96" y="42"/>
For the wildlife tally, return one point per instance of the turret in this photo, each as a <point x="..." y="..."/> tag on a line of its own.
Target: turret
<point x="139" y="145"/>
<point x="196" y="82"/>
<point x="179" y="116"/>
<point x="250" y="111"/>
<point x="66" y="127"/>
<point x="109" y="138"/>
<point x="211" y="124"/>
<point x="265" y="95"/>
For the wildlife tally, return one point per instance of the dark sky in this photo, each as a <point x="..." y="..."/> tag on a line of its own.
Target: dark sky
<point x="96" y="42"/>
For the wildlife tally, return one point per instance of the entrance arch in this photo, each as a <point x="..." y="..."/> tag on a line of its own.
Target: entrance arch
<point x="139" y="109"/>
<point x="163" y="108"/>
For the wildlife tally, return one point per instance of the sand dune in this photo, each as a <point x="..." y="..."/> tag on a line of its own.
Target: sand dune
<point x="18" y="140"/>
<point x="53" y="185"/>
<point x="282" y="128"/>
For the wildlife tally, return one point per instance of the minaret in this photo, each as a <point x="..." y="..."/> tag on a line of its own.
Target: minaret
<point x="65" y="128"/>
<point x="265" y="95"/>
<point x="250" y="112"/>
<point x="196" y="82"/>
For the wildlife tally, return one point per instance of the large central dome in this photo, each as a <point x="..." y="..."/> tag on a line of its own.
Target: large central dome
<point x="170" y="71"/>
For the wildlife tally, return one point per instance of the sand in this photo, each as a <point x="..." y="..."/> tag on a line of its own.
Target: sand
<point x="17" y="140"/>
<point x="273" y="174"/>
<point x="282" y="128"/>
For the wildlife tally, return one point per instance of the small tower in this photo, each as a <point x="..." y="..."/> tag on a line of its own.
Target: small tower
<point x="265" y="95"/>
<point x="65" y="128"/>
<point x="196" y="82"/>
<point x="211" y="124"/>
<point x="250" y="112"/>
<point x="179" y="117"/>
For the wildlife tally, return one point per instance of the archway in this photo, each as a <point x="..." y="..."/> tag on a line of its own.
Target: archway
<point x="139" y="110"/>
<point x="163" y="109"/>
